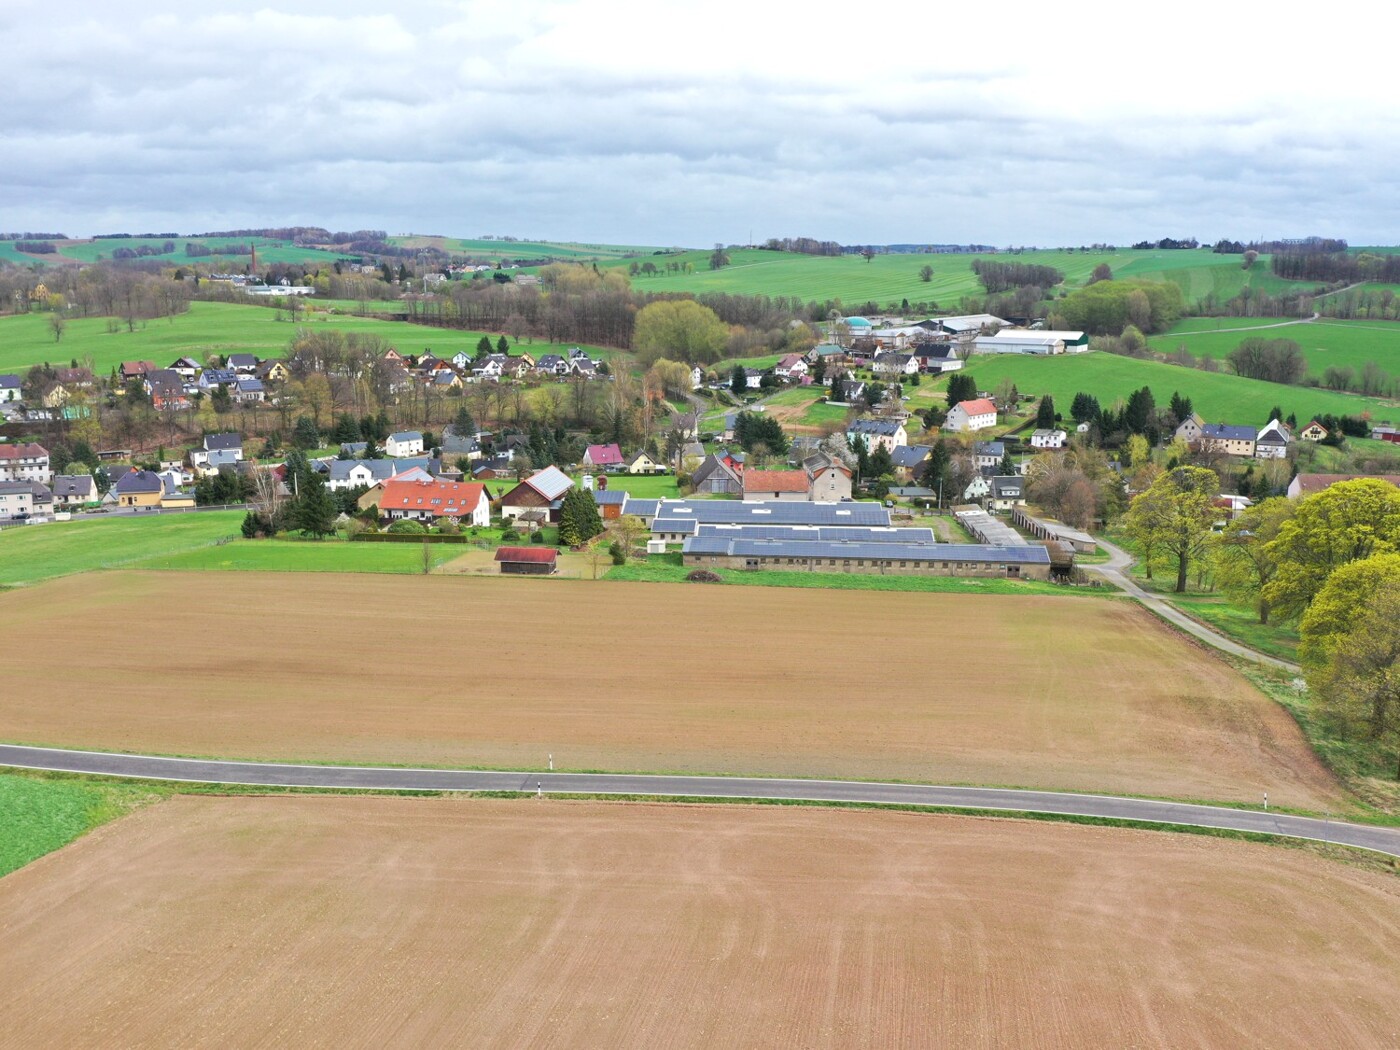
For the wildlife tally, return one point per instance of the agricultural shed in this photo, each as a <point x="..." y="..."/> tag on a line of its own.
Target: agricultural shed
<point x="892" y="559"/>
<point x="527" y="561"/>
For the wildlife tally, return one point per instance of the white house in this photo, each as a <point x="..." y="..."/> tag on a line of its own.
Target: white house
<point x="404" y="444"/>
<point x="428" y="501"/>
<point x="1272" y="442"/>
<point x="791" y="366"/>
<point x="895" y="364"/>
<point x="697" y="377"/>
<point x="877" y="433"/>
<point x="1049" y="439"/>
<point x="24" y="461"/>
<point x="967" y="416"/>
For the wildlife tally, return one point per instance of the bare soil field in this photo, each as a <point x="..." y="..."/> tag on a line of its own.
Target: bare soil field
<point x="1056" y="693"/>
<point x="303" y="921"/>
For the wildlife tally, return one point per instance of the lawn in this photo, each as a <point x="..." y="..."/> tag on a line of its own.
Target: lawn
<point x="1325" y="343"/>
<point x="641" y="486"/>
<point x="1217" y="396"/>
<point x="223" y="328"/>
<point x="292" y="555"/>
<point x="667" y="568"/>
<point x="42" y="814"/>
<point x="38" y="552"/>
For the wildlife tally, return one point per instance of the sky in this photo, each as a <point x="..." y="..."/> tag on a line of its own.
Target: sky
<point x="673" y="122"/>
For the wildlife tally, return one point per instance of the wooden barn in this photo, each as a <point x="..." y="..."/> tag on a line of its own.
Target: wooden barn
<point x="527" y="561"/>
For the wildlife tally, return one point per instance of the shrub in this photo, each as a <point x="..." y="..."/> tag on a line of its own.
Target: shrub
<point x="448" y="527"/>
<point x="537" y="536"/>
<point x="618" y="550"/>
<point x="406" y="527"/>
<point x="510" y="534"/>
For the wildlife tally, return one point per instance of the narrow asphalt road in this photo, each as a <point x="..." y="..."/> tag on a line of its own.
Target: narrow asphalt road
<point x="1114" y="572"/>
<point x="378" y="778"/>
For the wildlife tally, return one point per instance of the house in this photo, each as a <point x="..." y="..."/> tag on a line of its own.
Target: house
<point x="136" y="369"/>
<point x="697" y="377"/>
<point x="791" y="366"/>
<point x="461" y="360"/>
<point x="185" y="367"/>
<point x="11" y="387"/>
<point x="1315" y="431"/>
<point x="167" y="388"/>
<point x="527" y="561"/>
<point x="25" y="461"/>
<point x="1310" y="484"/>
<point x="227" y="443"/>
<point x="74" y="490"/>
<point x="541" y="493"/>
<point x="978" y="489"/>
<point x="1189" y="429"/>
<point x="753" y="378"/>
<point x="877" y="433"/>
<point x="446" y="380"/>
<point x="909" y="461"/>
<point x="404" y="443"/>
<point x="491" y="367"/>
<point x="967" y="416"/>
<point x="249" y="390"/>
<point x="430" y="501"/>
<point x="1386" y="433"/>
<point x="1048" y="438"/>
<point x="246" y="364"/>
<point x="272" y="372"/>
<point x="831" y="483"/>
<point x="493" y="469"/>
<point x="719" y="474"/>
<point x="213" y="378"/>
<point x="687" y="425"/>
<point x="1272" y="441"/>
<point x="782" y="485"/>
<point x="139" y="488"/>
<point x="895" y="365"/>
<point x="642" y="463"/>
<point x="16" y="500"/>
<point x="987" y="455"/>
<point x="967" y="324"/>
<point x="552" y="365"/>
<point x="344" y="474"/>
<point x="603" y="457"/>
<point x="1039" y="342"/>
<point x="1008" y="492"/>
<point x="1232" y="441"/>
<point x="353" y="449"/>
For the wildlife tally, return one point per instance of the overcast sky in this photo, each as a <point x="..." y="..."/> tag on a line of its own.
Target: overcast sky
<point x="672" y="122"/>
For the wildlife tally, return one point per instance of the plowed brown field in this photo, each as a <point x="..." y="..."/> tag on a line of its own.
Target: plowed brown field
<point x="1062" y="693"/>
<point x="304" y="921"/>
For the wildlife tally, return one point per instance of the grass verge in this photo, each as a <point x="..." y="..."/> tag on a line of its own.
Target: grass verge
<point x="44" y="812"/>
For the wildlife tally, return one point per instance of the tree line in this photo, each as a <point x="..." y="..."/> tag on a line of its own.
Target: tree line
<point x="1003" y="276"/>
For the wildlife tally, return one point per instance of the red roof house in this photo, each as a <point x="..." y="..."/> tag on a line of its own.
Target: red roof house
<point x="427" y="501"/>
<point x="606" y="456"/>
<point x="777" y="484"/>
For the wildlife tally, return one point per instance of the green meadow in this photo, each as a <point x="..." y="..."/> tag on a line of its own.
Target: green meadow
<point x="38" y="552"/>
<point x="86" y="251"/>
<point x="507" y="250"/>
<point x="45" y="813"/>
<point x="1217" y="396"/>
<point x="1325" y="342"/>
<point x="221" y="328"/>
<point x="295" y="555"/>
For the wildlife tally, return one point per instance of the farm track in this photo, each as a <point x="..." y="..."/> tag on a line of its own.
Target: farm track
<point x="371" y="778"/>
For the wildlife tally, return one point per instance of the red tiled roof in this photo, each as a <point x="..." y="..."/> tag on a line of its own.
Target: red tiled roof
<point x="1310" y="483"/>
<point x="25" y="450"/>
<point x="439" y="498"/>
<point x="776" y="481"/>
<point x="542" y="555"/>
<point x="978" y="407"/>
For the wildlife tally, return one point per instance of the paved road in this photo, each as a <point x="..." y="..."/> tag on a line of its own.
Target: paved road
<point x="1113" y="572"/>
<point x="1258" y="327"/>
<point x="1382" y="840"/>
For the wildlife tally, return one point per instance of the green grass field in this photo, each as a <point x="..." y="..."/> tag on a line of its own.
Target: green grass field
<point x="222" y="328"/>
<point x="667" y="568"/>
<point x="1325" y="342"/>
<point x="508" y="250"/>
<point x="292" y="555"/>
<point x="86" y="251"/>
<point x="642" y="486"/>
<point x="1217" y="396"/>
<point x="42" y="813"/>
<point x="39" y="552"/>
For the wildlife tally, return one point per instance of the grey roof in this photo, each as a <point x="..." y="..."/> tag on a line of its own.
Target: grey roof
<point x="1005" y="487"/>
<point x="379" y="469"/>
<point x="250" y="385"/>
<point x="222" y="457"/>
<point x="828" y="533"/>
<point x="551" y="482"/>
<point x="988" y="529"/>
<point x="406" y="435"/>
<point x="609" y="497"/>
<point x="9" y="381"/>
<point x="70" y="485"/>
<point x="1225" y="432"/>
<point x="989" y="448"/>
<point x="643" y="508"/>
<point x="213" y="441"/>
<point x="912" y="491"/>
<point x="13" y="487"/>
<point x="241" y="361"/>
<point x="910" y="455"/>
<point x="884" y="427"/>
<point x="940" y="552"/>
<point x="354" y="448"/>
<point x="138" y="481"/>
<point x="775" y="512"/>
<point x="680" y="526"/>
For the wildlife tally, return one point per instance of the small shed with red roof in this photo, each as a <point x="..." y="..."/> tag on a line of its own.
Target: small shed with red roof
<point x="527" y="561"/>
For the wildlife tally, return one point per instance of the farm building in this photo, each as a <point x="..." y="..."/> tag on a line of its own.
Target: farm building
<point x="784" y="485"/>
<point x="896" y="559"/>
<point x="1221" y="437"/>
<point x="1272" y="442"/>
<point x="674" y="520"/>
<point x="527" y="561"/>
<point x="541" y="492"/>
<point x="1025" y="341"/>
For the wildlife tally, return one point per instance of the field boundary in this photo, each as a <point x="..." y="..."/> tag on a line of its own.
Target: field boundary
<point x="1384" y="840"/>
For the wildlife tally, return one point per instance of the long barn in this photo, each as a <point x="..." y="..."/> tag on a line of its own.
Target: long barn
<point x="899" y="559"/>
